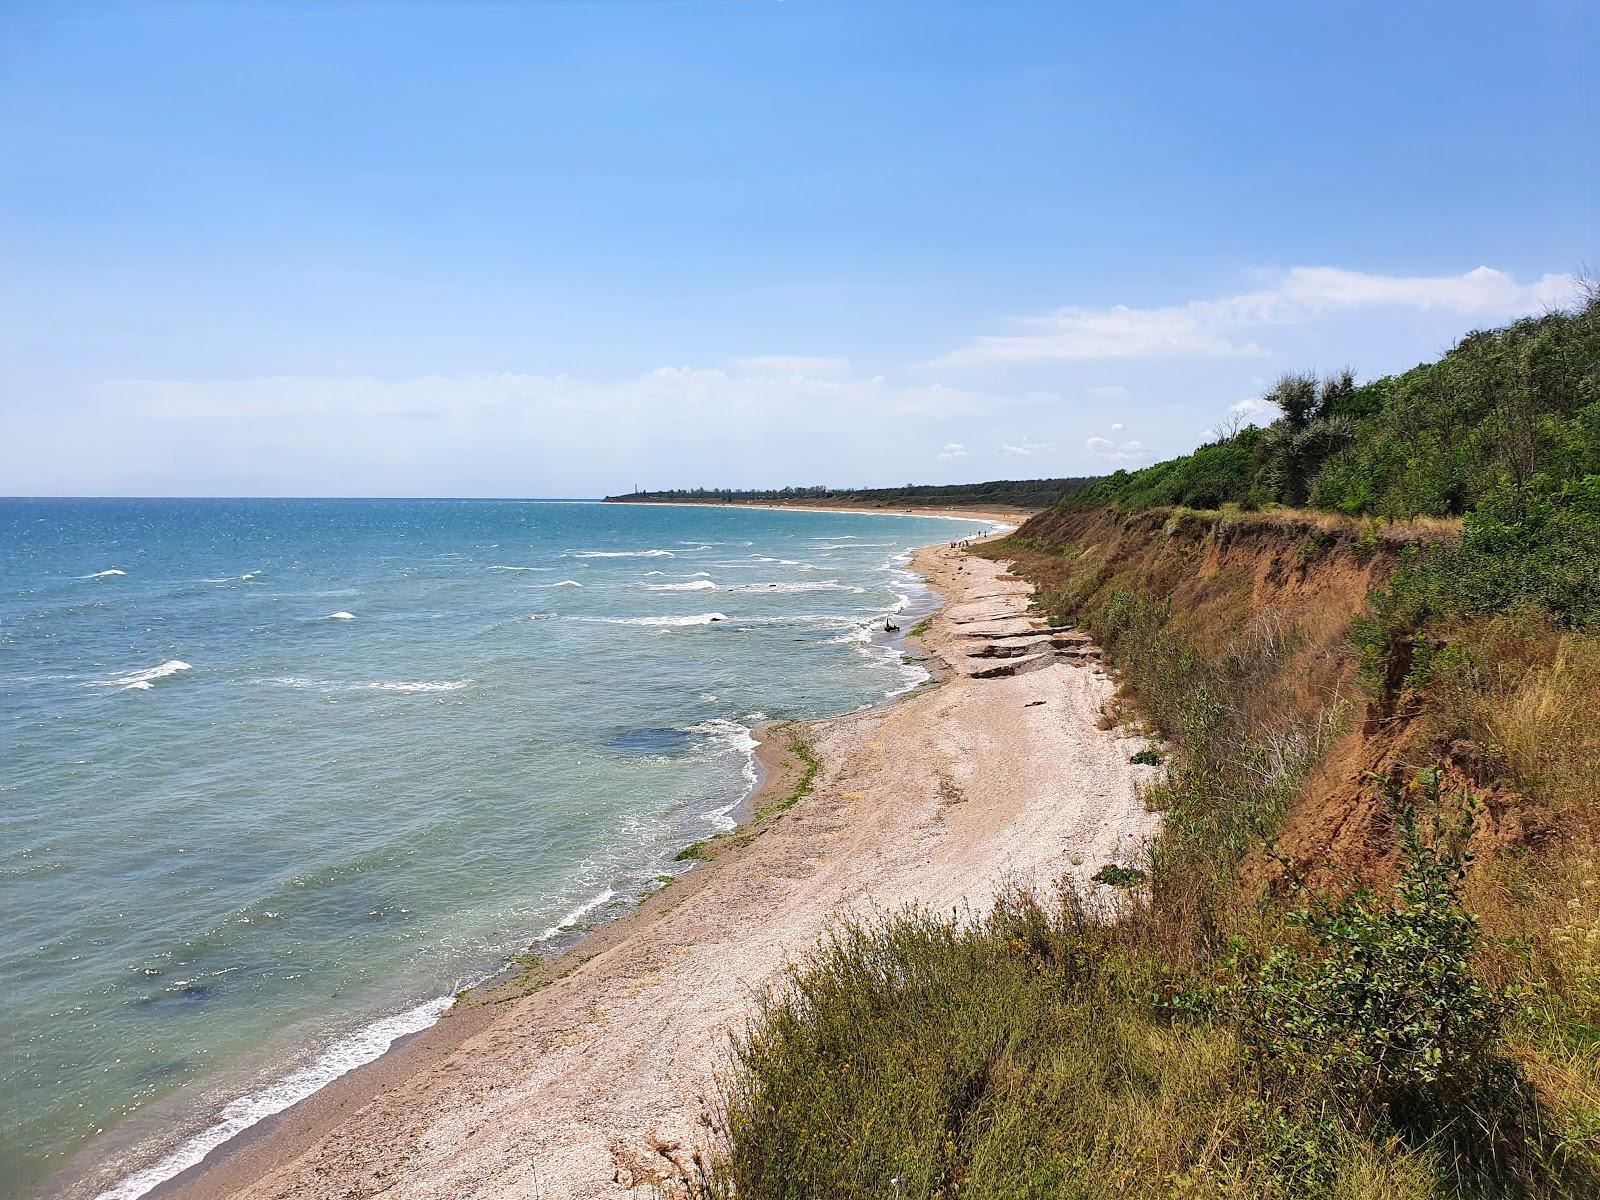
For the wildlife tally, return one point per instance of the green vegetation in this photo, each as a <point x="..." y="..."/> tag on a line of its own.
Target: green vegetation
<point x="1509" y="415"/>
<point x="1380" y="1015"/>
<point x="1015" y="493"/>
<point x="697" y="851"/>
<point x="921" y="627"/>
<point x="810" y="767"/>
<point x="1370" y="973"/>
<point x="1114" y="875"/>
<point x="1147" y="758"/>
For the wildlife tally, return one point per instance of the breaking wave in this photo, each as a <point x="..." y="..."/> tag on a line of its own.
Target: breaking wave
<point x="619" y="554"/>
<point x="664" y="622"/>
<point x="143" y="681"/>
<point x="694" y="585"/>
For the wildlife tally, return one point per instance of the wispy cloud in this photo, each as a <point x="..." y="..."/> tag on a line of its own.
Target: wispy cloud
<point x="1107" y="450"/>
<point x="1222" y="327"/>
<point x="1027" y="448"/>
<point x="1250" y="409"/>
<point x="954" y="450"/>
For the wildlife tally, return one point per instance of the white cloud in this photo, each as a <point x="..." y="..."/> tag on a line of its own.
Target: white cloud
<point x="794" y="364"/>
<point x="1027" y="448"/>
<point x="1219" y="328"/>
<point x="1120" y="452"/>
<point x="954" y="450"/>
<point x="1251" y="408"/>
<point x="1117" y="427"/>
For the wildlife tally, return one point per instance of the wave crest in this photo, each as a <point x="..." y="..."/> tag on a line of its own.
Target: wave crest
<point x="143" y="681"/>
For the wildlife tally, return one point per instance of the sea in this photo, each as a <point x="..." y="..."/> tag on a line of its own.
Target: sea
<point x="279" y="777"/>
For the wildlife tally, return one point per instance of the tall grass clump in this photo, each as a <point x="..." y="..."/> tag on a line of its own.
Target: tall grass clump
<point x="1240" y="759"/>
<point x="1352" y="1049"/>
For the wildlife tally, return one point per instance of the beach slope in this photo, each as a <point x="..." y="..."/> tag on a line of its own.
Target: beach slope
<point x="597" y="1074"/>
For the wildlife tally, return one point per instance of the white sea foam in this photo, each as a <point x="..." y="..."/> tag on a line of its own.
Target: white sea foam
<point x="619" y="554"/>
<point x="340" y="616"/>
<point x="105" y="574"/>
<point x="143" y="681"/>
<point x="731" y="735"/>
<point x="694" y="585"/>
<point x="573" y="917"/>
<point x="345" y="1055"/>
<point x="302" y="683"/>
<point x="817" y="585"/>
<point x="563" y="583"/>
<point x="500" y="567"/>
<point x="668" y="622"/>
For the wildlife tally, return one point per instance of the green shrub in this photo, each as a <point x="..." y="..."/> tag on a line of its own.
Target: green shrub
<point x="1518" y="406"/>
<point x="1115" y="875"/>
<point x="1382" y="1007"/>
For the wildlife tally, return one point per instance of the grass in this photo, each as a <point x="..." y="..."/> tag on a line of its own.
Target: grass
<point x="1028" y="1052"/>
<point x="921" y="628"/>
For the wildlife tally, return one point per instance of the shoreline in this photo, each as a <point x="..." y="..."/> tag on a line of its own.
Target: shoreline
<point x="411" y="1051"/>
<point x="1000" y="513"/>
<point x="598" y="1072"/>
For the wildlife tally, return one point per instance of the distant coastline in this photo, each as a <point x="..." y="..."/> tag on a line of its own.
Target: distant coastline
<point x="1002" y="513"/>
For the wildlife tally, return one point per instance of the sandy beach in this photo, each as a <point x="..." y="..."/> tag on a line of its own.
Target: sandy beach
<point x="595" y="1074"/>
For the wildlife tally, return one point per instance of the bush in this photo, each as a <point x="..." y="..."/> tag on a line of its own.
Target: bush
<point x="1115" y="875"/>
<point x="1382" y="1008"/>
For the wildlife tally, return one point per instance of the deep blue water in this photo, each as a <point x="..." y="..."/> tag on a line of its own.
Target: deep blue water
<point x="281" y="775"/>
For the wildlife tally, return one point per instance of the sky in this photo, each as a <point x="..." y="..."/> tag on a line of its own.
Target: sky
<point x="570" y="247"/>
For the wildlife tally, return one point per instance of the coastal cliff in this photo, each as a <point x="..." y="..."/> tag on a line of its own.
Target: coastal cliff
<point x="1360" y="959"/>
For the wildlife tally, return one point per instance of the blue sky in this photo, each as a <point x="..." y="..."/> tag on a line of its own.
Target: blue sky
<point x="388" y="247"/>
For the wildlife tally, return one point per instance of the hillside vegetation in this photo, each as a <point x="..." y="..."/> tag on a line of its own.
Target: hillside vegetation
<point x="1011" y="493"/>
<point x="1363" y="957"/>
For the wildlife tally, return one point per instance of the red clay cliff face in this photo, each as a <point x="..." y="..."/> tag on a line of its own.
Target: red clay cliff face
<point x="1301" y="577"/>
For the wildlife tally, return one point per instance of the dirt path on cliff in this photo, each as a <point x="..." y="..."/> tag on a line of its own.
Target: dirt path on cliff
<point x="605" y="1077"/>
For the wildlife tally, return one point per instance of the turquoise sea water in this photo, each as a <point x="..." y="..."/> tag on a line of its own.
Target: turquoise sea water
<point x="280" y="776"/>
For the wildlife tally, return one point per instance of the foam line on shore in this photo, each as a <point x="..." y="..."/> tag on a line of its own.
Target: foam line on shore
<point x="356" y="1049"/>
